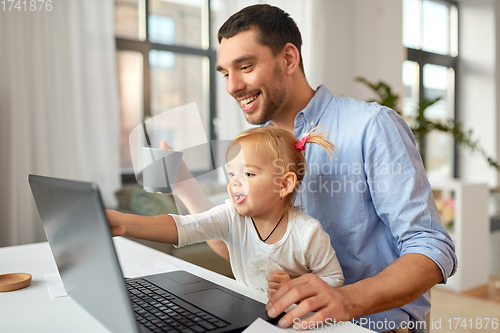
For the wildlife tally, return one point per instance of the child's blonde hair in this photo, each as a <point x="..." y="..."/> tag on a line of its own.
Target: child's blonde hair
<point x="286" y="149"/>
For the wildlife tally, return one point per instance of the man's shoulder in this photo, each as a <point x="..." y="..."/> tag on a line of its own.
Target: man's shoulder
<point x="341" y="108"/>
<point x="355" y="114"/>
<point x="349" y="114"/>
<point x="349" y="106"/>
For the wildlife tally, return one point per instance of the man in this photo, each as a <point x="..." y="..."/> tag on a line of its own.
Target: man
<point x="373" y="199"/>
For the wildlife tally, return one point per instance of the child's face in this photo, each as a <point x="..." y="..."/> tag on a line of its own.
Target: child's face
<point x="254" y="183"/>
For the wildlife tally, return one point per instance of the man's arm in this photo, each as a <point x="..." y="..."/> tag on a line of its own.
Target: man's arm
<point x="189" y="192"/>
<point x="400" y="283"/>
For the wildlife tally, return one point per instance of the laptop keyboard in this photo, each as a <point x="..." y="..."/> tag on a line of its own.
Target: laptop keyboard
<point x="161" y="311"/>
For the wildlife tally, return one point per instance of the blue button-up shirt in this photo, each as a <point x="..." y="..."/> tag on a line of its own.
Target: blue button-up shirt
<point x="374" y="198"/>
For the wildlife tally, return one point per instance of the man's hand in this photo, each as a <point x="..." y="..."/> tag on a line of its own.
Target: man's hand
<point x="402" y="282"/>
<point x="117" y="222"/>
<point x="275" y="280"/>
<point x="311" y="293"/>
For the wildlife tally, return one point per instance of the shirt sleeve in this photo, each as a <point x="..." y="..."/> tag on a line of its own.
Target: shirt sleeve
<point x="320" y="256"/>
<point x="212" y="224"/>
<point x="401" y="192"/>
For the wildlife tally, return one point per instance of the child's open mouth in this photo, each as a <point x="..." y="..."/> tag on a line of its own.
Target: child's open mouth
<point x="239" y="198"/>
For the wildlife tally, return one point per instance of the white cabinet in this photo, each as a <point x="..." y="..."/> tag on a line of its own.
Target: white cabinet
<point x="470" y="231"/>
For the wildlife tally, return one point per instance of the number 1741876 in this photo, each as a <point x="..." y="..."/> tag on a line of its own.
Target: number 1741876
<point x="26" y="5"/>
<point x="473" y="324"/>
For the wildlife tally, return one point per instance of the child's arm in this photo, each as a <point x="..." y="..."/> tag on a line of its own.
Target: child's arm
<point x="161" y="228"/>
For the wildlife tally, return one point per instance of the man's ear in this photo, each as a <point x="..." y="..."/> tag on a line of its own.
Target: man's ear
<point x="289" y="180"/>
<point x="292" y="58"/>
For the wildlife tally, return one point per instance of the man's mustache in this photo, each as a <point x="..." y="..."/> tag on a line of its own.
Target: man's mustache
<point x="246" y="93"/>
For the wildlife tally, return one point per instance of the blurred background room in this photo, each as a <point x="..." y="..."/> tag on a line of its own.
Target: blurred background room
<point x="77" y="76"/>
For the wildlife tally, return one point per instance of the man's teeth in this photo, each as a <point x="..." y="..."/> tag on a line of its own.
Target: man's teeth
<point x="249" y="100"/>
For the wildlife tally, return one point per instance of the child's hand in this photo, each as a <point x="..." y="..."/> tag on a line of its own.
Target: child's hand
<point x="117" y="222"/>
<point x="275" y="280"/>
<point x="183" y="174"/>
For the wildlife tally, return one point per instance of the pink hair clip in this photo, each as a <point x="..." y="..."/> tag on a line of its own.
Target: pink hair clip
<point x="301" y="145"/>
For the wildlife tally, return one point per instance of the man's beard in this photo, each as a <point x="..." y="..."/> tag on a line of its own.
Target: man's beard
<point x="275" y="97"/>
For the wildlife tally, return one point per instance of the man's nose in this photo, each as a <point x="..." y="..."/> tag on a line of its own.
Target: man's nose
<point x="234" y="84"/>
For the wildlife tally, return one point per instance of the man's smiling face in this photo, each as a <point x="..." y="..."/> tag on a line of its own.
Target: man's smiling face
<point x="254" y="76"/>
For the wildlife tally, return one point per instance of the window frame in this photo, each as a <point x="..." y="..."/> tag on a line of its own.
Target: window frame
<point x="144" y="46"/>
<point x="423" y="58"/>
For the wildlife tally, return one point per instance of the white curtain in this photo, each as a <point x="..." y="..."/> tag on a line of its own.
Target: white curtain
<point x="59" y="112"/>
<point x="231" y="120"/>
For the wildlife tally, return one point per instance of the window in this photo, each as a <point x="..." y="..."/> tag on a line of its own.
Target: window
<point x="164" y="60"/>
<point x="430" y="35"/>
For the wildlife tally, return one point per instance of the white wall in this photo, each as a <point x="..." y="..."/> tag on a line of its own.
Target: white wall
<point x="478" y="88"/>
<point x="356" y="38"/>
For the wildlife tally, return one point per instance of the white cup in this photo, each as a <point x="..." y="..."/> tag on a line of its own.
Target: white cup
<point x="159" y="169"/>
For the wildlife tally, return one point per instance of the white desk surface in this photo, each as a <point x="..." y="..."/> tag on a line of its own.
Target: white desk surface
<point x="32" y="310"/>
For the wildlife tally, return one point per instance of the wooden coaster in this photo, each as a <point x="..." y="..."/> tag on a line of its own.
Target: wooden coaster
<point x="14" y="281"/>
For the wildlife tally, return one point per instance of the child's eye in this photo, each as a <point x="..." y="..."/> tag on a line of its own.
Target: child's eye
<point x="249" y="174"/>
<point x="230" y="174"/>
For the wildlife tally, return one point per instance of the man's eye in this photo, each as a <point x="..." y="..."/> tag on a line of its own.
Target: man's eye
<point x="225" y="75"/>
<point x="244" y="68"/>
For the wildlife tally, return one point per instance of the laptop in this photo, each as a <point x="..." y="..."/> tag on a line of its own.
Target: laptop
<point x="77" y="230"/>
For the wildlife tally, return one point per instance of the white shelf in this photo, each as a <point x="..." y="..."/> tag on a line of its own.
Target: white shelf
<point x="471" y="233"/>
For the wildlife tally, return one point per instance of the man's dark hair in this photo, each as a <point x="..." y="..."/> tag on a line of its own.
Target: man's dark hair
<point x="274" y="27"/>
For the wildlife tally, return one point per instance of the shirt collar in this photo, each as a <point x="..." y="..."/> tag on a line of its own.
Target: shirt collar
<point x="312" y="113"/>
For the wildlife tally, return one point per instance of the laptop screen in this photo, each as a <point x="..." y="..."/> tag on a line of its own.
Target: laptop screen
<point x="76" y="227"/>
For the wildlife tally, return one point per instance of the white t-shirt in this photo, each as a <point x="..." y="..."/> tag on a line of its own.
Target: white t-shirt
<point x="305" y="247"/>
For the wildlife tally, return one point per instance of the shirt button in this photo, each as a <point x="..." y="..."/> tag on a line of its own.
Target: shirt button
<point x="312" y="123"/>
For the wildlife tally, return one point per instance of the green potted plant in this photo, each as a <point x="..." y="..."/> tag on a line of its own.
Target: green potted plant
<point x="421" y="126"/>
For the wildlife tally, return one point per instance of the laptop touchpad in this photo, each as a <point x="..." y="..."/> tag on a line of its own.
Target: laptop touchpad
<point x="182" y="277"/>
<point x="215" y="298"/>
